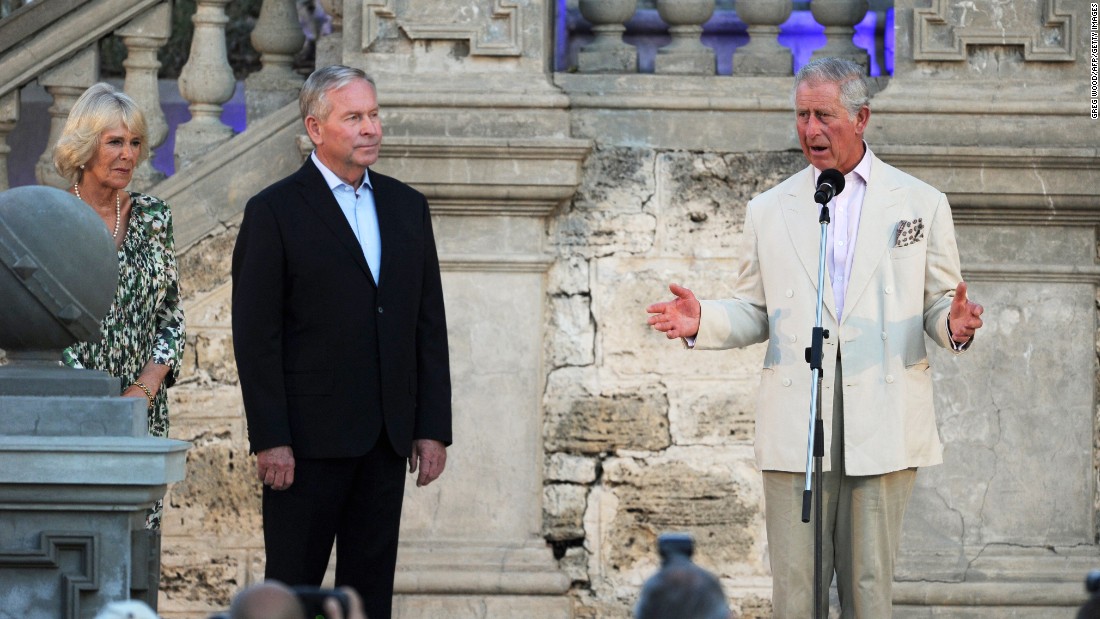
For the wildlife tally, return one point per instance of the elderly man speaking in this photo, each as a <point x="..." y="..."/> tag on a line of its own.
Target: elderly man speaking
<point x="893" y="276"/>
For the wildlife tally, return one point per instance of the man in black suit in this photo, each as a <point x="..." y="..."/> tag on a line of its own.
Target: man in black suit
<point x="341" y="345"/>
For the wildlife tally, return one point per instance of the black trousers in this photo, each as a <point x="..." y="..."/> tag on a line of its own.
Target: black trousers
<point x="354" y="501"/>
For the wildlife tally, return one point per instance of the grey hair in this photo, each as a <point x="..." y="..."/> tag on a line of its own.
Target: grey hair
<point x="847" y="75"/>
<point x="313" y="100"/>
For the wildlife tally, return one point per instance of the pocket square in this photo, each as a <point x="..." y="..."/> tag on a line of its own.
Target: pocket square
<point x="910" y="232"/>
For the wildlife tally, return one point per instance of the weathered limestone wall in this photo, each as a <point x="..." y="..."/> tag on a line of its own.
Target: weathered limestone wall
<point x="645" y="437"/>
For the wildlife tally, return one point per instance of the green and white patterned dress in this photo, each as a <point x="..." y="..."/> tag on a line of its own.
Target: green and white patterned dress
<point x="145" y="321"/>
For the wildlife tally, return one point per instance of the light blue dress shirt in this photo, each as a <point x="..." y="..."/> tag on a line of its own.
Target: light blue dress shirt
<point x="357" y="204"/>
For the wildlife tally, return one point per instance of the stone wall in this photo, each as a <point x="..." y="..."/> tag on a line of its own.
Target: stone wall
<point x="643" y="436"/>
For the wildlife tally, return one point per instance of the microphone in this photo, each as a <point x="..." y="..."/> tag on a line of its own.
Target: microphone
<point x="829" y="184"/>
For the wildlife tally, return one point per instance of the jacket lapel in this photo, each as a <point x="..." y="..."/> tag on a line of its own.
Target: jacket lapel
<point x="384" y="207"/>
<point x="317" y="195"/>
<point x="877" y="219"/>
<point x="801" y="215"/>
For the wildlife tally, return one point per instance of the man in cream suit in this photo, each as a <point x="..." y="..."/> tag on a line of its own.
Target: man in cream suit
<point x="893" y="275"/>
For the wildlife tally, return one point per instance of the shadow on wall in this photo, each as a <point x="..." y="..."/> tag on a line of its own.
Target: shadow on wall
<point x="28" y="140"/>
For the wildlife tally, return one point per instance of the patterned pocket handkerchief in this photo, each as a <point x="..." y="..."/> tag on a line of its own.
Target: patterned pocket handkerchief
<point x="910" y="232"/>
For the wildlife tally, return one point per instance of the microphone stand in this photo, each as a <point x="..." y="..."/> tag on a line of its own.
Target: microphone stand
<point x="815" y="448"/>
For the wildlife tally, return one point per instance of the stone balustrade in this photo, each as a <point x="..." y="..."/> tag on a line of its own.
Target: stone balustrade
<point x="705" y="37"/>
<point x="692" y="37"/>
<point x="65" y="62"/>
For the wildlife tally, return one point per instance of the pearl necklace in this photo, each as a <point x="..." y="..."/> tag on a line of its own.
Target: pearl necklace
<point x="118" y="207"/>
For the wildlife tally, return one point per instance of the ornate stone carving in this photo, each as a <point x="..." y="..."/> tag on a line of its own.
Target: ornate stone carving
<point x="206" y="81"/>
<point x="71" y="554"/>
<point x="278" y="36"/>
<point x="685" y="53"/>
<point x="65" y="82"/>
<point x="492" y="27"/>
<point x="840" y="18"/>
<point x="608" y="53"/>
<point x="144" y="37"/>
<point x="9" y="116"/>
<point x="763" y="55"/>
<point x="944" y="30"/>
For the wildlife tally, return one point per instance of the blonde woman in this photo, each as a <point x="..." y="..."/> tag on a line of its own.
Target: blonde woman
<point x="100" y="147"/>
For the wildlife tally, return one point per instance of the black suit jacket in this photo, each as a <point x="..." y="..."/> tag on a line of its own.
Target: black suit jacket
<point x="326" y="358"/>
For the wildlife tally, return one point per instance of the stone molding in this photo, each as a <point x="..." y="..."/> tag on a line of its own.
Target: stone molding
<point x="723" y="93"/>
<point x="456" y="567"/>
<point x="487" y="176"/>
<point x="936" y="38"/>
<point x="496" y="263"/>
<point x="52" y="545"/>
<point x="31" y="18"/>
<point x="503" y="15"/>
<point x="989" y="594"/>
<point x="1018" y="186"/>
<point x="72" y="33"/>
<point x="1036" y="273"/>
<point x="85" y="471"/>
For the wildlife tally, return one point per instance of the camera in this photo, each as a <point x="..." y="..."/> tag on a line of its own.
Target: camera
<point x="672" y="546"/>
<point x="313" y="601"/>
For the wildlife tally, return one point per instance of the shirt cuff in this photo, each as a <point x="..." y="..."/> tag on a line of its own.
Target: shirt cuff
<point x="956" y="346"/>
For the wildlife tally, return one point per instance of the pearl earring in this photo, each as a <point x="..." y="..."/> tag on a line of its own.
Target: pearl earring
<point x="82" y="166"/>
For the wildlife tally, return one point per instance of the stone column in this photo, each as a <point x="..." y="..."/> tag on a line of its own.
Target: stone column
<point x="9" y="116"/>
<point x="65" y="83"/>
<point x="330" y="49"/>
<point x="840" y="18"/>
<point x="277" y="36"/>
<point x="763" y="55"/>
<point x="144" y="37"/>
<point x="608" y="53"/>
<point x="206" y="81"/>
<point x="686" y="54"/>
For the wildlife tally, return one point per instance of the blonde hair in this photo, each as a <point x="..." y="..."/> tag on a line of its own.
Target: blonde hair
<point x="100" y="108"/>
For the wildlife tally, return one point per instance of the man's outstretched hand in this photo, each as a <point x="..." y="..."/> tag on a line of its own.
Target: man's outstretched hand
<point x="676" y="318"/>
<point x="965" y="316"/>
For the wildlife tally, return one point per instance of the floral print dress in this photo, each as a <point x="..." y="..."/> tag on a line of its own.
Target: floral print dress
<point x="145" y="321"/>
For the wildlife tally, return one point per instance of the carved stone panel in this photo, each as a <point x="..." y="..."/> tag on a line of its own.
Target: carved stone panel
<point x="492" y="27"/>
<point x="945" y="29"/>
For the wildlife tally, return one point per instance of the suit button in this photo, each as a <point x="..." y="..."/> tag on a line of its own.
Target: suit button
<point x="379" y="310"/>
<point x="786" y="382"/>
<point x="889" y="378"/>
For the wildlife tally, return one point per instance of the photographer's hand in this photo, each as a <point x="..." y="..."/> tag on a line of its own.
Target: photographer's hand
<point x="355" y="606"/>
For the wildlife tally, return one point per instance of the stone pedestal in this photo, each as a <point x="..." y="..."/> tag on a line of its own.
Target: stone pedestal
<point x="77" y="474"/>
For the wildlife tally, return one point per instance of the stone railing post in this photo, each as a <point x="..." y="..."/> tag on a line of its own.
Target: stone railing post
<point x="144" y="37"/>
<point x="763" y="55"/>
<point x="685" y="54"/>
<point x="607" y="53"/>
<point x="9" y="116"/>
<point x="206" y="81"/>
<point x="277" y="36"/>
<point x="65" y="83"/>
<point x="840" y="18"/>
<point x="330" y="49"/>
